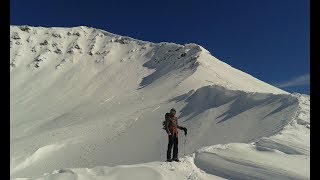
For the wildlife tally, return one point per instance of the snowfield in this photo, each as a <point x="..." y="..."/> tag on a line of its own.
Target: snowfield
<point x="89" y="104"/>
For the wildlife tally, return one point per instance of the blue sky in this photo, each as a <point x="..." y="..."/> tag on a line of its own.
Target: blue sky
<point x="268" y="39"/>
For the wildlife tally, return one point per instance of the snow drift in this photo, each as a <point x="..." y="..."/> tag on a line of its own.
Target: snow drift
<point x="85" y="98"/>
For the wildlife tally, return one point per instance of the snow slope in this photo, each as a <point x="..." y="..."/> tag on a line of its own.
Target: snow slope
<point x="85" y="98"/>
<point x="285" y="155"/>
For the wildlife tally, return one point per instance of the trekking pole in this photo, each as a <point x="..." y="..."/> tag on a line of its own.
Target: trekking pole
<point x="185" y="141"/>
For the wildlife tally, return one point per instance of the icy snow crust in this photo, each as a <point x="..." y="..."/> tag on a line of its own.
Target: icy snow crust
<point x="88" y="104"/>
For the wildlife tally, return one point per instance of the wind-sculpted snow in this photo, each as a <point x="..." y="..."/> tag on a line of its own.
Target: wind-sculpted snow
<point x="83" y="98"/>
<point x="285" y="155"/>
<point x="153" y="170"/>
<point x="243" y="161"/>
<point x="36" y="156"/>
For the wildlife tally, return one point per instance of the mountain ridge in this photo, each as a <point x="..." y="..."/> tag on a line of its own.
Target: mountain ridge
<point x="191" y="54"/>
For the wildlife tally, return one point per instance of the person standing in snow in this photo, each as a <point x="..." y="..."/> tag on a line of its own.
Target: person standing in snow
<point x="171" y="127"/>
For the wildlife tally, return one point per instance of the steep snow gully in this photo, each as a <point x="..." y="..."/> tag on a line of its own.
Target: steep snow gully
<point x="88" y="104"/>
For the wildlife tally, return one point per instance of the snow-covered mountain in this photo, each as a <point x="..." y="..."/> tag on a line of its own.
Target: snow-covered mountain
<point x="86" y="98"/>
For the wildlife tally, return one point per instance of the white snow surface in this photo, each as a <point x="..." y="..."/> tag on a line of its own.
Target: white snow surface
<point x="89" y="104"/>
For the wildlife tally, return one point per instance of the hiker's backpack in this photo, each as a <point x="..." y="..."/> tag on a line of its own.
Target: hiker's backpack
<point x="164" y="122"/>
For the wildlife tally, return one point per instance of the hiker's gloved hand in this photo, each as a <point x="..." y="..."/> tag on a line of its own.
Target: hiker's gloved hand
<point x="185" y="131"/>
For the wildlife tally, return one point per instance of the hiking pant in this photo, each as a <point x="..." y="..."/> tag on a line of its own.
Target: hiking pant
<point x="173" y="141"/>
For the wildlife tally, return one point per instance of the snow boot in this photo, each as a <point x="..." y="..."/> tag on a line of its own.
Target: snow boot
<point x="169" y="160"/>
<point x="176" y="159"/>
